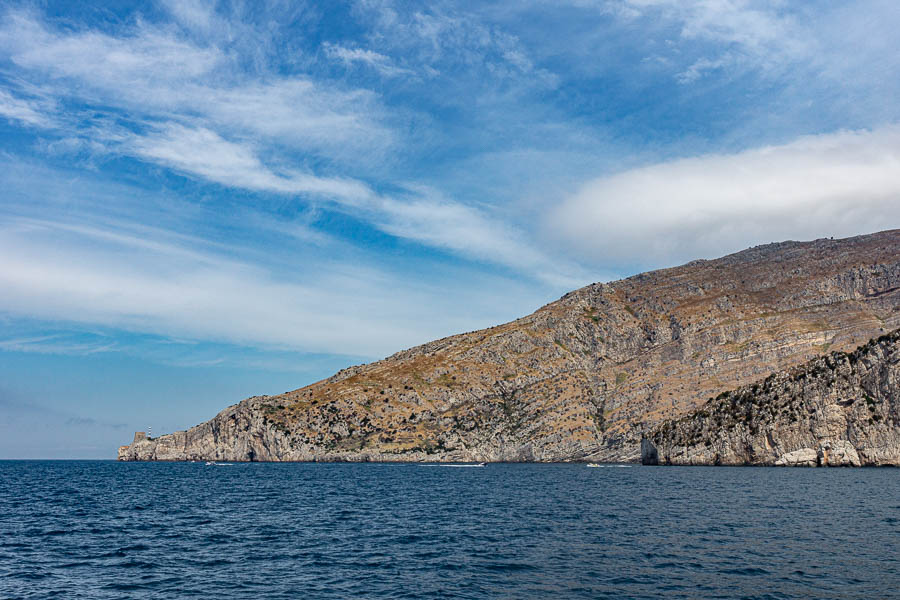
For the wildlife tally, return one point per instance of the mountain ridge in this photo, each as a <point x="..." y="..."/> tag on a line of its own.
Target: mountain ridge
<point x="581" y="378"/>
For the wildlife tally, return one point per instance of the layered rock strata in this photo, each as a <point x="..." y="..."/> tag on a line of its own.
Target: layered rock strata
<point x="582" y="377"/>
<point x="841" y="409"/>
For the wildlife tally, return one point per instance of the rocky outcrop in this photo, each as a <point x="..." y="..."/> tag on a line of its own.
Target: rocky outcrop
<point x="837" y="410"/>
<point x="582" y="377"/>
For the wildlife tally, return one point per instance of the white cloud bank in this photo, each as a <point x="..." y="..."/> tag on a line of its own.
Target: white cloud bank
<point x="838" y="184"/>
<point x="149" y="281"/>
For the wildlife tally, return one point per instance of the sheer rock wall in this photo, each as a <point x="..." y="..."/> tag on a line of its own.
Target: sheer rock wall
<point x="841" y="409"/>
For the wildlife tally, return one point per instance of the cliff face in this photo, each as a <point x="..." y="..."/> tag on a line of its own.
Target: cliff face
<point x="837" y="410"/>
<point x="581" y="378"/>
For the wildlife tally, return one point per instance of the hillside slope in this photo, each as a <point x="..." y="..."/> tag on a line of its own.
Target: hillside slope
<point x="582" y="377"/>
<point x="836" y="410"/>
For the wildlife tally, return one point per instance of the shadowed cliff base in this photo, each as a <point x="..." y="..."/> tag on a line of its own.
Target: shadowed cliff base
<point x="840" y="409"/>
<point x="582" y="378"/>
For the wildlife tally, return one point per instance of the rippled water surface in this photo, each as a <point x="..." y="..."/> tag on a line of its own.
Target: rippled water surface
<point x="97" y="529"/>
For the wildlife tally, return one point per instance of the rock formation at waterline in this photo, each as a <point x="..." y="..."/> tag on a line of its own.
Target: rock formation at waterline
<point x="840" y="409"/>
<point x="582" y="378"/>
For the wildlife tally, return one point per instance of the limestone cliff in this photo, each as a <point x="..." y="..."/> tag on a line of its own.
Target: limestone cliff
<point x="837" y="410"/>
<point x="582" y="377"/>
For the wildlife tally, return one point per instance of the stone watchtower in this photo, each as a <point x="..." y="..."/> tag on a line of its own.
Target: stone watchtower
<point x="139" y="436"/>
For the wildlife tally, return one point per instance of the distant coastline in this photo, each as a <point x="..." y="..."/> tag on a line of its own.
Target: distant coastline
<point x="618" y="372"/>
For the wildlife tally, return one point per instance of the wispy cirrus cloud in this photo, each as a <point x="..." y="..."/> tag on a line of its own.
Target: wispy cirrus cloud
<point x="491" y="118"/>
<point x="418" y="213"/>
<point x="444" y="39"/>
<point x="205" y="200"/>
<point x="124" y="66"/>
<point x="201" y="152"/>
<point x="55" y="344"/>
<point x="186" y="107"/>
<point x="77" y="274"/>
<point x="748" y="24"/>
<point x="374" y="60"/>
<point x="428" y="218"/>
<point x="149" y="281"/>
<point x="194" y="14"/>
<point x="25" y="111"/>
<point x="151" y="72"/>
<point x="740" y="34"/>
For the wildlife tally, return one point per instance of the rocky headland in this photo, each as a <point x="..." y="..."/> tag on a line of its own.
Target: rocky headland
<point x="582" y="378"/>
<point x="840" y="409"/>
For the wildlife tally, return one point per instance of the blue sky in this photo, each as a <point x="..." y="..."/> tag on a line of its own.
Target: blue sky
<point x="204" y="201"/>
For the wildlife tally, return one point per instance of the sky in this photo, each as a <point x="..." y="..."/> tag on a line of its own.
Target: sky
<point x="205" y="201"/>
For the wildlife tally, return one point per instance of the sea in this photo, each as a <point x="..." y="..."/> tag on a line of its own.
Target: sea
<point x="102" y="529"/>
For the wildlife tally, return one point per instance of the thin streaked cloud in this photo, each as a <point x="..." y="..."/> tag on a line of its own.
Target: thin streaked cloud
<point x="278" y="189"/>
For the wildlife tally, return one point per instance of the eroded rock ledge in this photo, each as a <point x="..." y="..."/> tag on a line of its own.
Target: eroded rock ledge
<point x="841" y="409"/>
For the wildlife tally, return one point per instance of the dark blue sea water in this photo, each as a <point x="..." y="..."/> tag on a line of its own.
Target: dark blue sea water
<point x="96" y="529"/>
